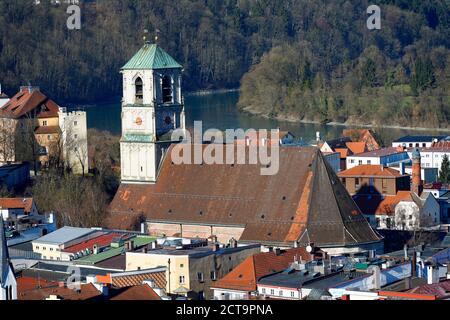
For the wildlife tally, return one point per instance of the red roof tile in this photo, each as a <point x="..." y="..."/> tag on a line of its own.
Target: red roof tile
<point x="356" y="147"/>
<point x="25" y="101"/>
<point x="17" y="203"/>
<point x="141" y="292"/>
<point x="369" y="171"/>
<point x="381" y="205"/>
<point x="245" y="275"/>
<point x="440" y="290"/>
<point x="100" y="241"/>
<point x="47" y="130"/>
<point x="86" y="292"/>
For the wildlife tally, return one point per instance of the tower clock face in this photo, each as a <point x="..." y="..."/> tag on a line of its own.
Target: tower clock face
<point x="136" y="119"/>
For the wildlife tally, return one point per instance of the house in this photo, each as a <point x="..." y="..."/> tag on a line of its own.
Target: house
<point x="58" y="291"/>
<point x="192" y="270"/>
<point x="8" y="283"/>
<point x="36" y="128"/>
<point x="20" y="213"/>
<point x="432" y="156"/>
<point x="386" y="157"/>
<point x="241" y="282"/>
<point x="417" y="141"/>
<point x="396" y="207"/>
<point x="344" y="146"/>
<point x="374" y="179"/>
<point x="363" y="135"/>
<point x="52" y="245"/>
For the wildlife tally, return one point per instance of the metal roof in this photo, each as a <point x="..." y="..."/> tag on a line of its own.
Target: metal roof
<point x="63" y="235"/>
<point x="151" y="56"/>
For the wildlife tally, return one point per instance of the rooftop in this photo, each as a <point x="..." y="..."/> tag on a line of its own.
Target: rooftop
<point x="135" y="293"/>
<point x="380" y="152"/>
<point x="64" y="235"/>
<point x="296" y="203"/>
<point x="151" y="56"/>
<point x="17" y="203"/>
<point x="379" y="204"/>
<point x="100" y="241"/>
<point x="370" y="171"/>
<point x="245" y="275"/>
<point x="26" y="100"/>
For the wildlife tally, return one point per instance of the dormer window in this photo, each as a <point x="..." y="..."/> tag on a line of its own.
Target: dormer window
<point x="139" y="90"/>
<point x="167" y="89"/>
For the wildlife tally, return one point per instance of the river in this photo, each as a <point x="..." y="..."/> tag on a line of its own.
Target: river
<point x="218" y="110"/>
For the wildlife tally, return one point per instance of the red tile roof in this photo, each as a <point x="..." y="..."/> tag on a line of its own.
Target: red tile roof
<point x="440" y="290"/>
<point x="356" y="147"/>
<point x="379" y="205"/>
<point x="100" y="241"/>
<point x="245" y="275"/>
<point x="17" y="203"/>
<point x="130" y="279"/>
<point x="140" y="293"/>
<point x="25" y="101"/>
<point x="87" y="291"/>
<point x="380" y="152"/>
<point x="369" y="171"/>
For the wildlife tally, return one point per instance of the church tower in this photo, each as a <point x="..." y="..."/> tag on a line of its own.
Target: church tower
<point x="152" y="107"/>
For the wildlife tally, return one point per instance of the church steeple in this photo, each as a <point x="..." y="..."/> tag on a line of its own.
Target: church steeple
<point x="152" y="107"/>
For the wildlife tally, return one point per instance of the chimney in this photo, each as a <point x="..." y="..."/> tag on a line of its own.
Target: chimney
<point x="95" y="249"/>
<point x="154" y="243"/>
<point x="405" y="251"/>
<point x="277" y="251"/>
<point x="318" y="138"/>
<point x="416" y="184"/>
<point x="216" y="247"/>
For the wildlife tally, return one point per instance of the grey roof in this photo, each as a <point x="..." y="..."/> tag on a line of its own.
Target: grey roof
<point x="63" y="235"/>
<point x="5" y="263"/>
<point x="288" y="279"/>
<point x="420" y="138"/>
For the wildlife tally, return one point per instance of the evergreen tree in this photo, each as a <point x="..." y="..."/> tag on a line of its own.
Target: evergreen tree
<point x="444" y="174"/>
<point x="369" y="73"/>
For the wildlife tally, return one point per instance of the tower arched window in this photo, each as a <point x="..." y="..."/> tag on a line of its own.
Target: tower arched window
<point x="167" y="89"/>
<point x="139" y="90"/>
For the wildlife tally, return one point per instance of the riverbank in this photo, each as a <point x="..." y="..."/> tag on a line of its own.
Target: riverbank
<point x="292" y="119"/>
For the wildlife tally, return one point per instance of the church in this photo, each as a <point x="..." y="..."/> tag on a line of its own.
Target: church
<point x="303" y="204"/>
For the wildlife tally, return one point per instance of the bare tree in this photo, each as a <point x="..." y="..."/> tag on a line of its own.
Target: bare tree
<point x="7" y="133"/>
<point x="26" y="146"/>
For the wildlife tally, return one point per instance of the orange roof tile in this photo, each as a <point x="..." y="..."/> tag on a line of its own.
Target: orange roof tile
<point x="130" y="280"/>
<point x="17" y="203"/>
<point x="369" y="171"/>
<point x="140" y="293"/>
<point x="343" y="152"/>
<point x="86" y="292"/>
<point x="47" y="130"/>
<point x="356" y="147"/>
<point x="379" y="205"/>
<point x="25" y="101"/>
<point x="245" y="275"/>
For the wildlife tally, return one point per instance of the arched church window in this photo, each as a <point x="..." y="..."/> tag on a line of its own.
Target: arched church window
<point x="167" y="89"/>
<point x="139" y="90"/>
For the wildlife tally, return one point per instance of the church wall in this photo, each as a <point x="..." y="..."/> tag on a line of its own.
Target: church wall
<point x="137" y="161"/>
<point x="129" y="90"/>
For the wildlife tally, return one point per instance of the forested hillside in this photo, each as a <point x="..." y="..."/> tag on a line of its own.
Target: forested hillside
<point x="308" y="60"/>
<point x="215" y="40"/>
<point x="338" y="70"/>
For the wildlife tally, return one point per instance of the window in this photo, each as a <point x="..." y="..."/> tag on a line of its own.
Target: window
<point x="49" y="137"/>
<point x="357" y="182"/>
<point x="200" y="276"/>
<point x="182" y="279"/>
<point x="139" y="87"/>
<point x="272" y="291"/>
<point x="181" y="265"/>
<point x="75" y="123"/>
<point x="280" y="293"/>
<point x="292" y="294"/>
<point x="167" y="89"/>
<point x="213" y="276"/>
<point x="263" y="291"/>
<point x="45" y="123"/>
<point x="75" y="136"/>
<point x="424" y="145"/>
<point x="352" y="161"/>
<point x="360" y="162"/>
<point x="369" y="161"/>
